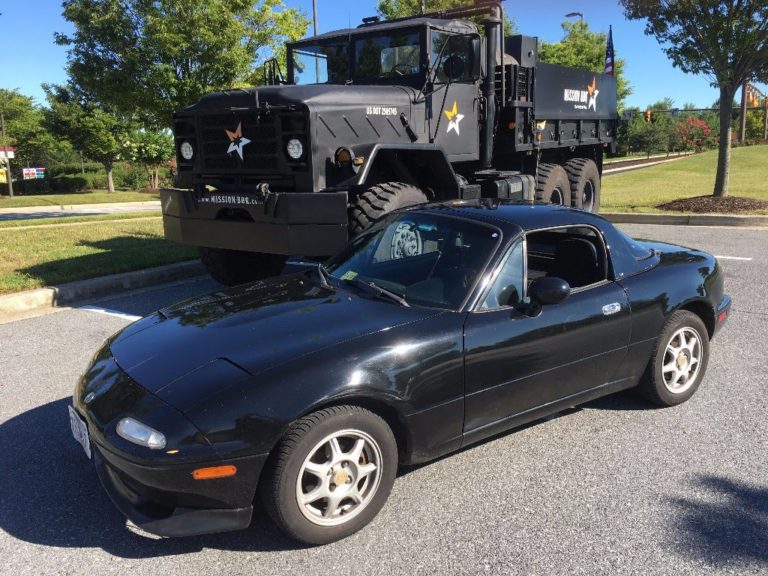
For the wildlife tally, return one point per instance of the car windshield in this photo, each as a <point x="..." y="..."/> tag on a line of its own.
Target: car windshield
<point x="428" y="259"/>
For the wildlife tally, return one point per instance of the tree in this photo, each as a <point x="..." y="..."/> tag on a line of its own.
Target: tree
<point x="724" y="39"/>
<point x="390" y="9"/>
<point x="582" y="48"/>
<point x="26" y="131"/>
<point x="93" y="131"/>
<point x="149" y="59"/>
<point x="151" y="149"/>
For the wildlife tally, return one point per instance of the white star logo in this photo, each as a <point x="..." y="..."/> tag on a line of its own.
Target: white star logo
<point x="236" y="140"/>
<point x="453" y="118"/>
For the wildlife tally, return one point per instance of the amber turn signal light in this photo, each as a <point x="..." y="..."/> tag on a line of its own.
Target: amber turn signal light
<point x="214" y="472"/>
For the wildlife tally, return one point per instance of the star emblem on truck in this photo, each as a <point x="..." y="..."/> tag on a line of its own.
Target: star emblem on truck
<point x="453" y="118"/>
<point x="236" y="140"/>
<point x="592" y="91"/>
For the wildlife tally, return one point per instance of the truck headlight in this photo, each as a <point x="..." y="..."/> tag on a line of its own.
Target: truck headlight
<point x="294" y="148"/>
<point x="186" y="150"/>
<point x="141" y="434"/>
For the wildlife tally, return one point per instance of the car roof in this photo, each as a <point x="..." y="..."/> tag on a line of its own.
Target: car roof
<point x="515" y="216"/>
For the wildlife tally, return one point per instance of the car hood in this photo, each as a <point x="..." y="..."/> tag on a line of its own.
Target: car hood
<point x="255" y="326"/>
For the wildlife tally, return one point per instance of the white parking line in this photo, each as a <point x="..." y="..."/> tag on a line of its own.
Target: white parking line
<point x="733" y="258"/>
<point x="109" y="312"/>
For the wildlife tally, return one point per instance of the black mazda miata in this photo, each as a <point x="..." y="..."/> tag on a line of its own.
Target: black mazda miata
<point x="439" y="326"/>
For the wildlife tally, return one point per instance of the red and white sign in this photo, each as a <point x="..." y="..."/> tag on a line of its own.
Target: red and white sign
<point x="7" y="152"/>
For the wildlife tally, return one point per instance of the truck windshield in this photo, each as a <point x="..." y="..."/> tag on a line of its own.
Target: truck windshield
<point x="387" y="57"/>
<point x="326" y="63"/>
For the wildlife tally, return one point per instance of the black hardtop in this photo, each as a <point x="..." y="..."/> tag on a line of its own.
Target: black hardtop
<point x="522" y="216"/>
<point x="457" y="26"/>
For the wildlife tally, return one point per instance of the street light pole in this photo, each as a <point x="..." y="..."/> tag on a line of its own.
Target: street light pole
<point x="5" y="155"/>
<point x="314" y="24"/>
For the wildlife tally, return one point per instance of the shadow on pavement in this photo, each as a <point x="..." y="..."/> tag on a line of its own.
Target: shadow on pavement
<point x="723" y="521"/>
<point x="50" y="495"/>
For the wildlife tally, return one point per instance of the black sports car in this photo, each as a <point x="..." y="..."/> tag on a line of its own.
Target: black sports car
<point x="438" y="327"/>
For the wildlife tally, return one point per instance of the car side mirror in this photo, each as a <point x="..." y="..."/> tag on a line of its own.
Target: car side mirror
<point x="549" y="290"/>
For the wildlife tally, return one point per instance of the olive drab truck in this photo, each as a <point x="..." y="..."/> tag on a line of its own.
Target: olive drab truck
<point x="439" y="106"/>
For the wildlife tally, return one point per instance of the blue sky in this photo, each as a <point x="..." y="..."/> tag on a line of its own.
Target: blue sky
<point x="30" y="57"/>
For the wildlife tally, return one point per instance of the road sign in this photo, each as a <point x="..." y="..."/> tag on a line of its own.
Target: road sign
<point x="3" y="178"/>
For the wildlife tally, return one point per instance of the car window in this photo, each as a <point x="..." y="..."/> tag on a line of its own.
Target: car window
<point x="429" y="259"/>
<point x="575" y="254"/>
<point x="508" y="288"/>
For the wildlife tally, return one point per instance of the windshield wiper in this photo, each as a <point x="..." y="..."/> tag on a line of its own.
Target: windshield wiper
<point x="376" y="290"/>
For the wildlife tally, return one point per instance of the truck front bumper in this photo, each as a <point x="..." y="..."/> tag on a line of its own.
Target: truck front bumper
<point x="289" y="223"/>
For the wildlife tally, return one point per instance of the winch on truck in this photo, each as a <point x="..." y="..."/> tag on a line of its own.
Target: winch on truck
<point x="375" y="118"/>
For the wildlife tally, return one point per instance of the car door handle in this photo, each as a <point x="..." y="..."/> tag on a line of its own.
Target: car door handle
<point x="611" y="308"/>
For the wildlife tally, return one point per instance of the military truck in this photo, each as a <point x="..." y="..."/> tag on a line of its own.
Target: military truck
<point x="371" y="119"/>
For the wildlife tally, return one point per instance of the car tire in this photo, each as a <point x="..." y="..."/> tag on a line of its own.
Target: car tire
<point x="362" y="465"/>
<point x="585" y="184"/>
<point x="380" y="199"/>
<point x="552" y="185"/>
<point x="231" y="267"/>
<point x="679" y="361"/>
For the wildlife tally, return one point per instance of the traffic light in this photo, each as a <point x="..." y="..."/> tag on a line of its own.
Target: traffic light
<point x="647" y="115"/>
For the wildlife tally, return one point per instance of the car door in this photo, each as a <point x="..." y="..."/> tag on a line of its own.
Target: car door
<point x="453" y="105"/>
<point x="516" y="362"/>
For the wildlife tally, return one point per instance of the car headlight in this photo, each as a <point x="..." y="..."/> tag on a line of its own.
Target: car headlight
<point x="141" y="434"/>
<point x="186" y="150"/>
<point x="294" y="148"/>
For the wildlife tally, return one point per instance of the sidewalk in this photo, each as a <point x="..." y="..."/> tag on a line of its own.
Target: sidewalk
<point x="32" y="212"/>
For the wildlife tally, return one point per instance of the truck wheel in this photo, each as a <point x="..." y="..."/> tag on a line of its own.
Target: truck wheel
<point x="585" y="184"/>
<point x="552" y="185"/>
<point x="232" y="267"/>
<point x="381" y="199"/>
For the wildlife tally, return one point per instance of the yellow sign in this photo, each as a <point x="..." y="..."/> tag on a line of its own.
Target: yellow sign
<point x="3" y="178"/>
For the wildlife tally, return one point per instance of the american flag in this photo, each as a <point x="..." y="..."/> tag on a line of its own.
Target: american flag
<point x="609" y="55"/>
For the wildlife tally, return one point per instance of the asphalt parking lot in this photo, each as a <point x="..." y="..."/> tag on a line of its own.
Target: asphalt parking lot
<point x="613" y="487"/>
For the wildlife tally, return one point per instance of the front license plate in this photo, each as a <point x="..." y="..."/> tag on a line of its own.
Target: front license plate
<point x="80" y="431"/>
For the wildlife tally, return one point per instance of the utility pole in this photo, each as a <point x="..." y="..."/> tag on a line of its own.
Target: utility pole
<point x="314" y="24"/>
<point x="765" y="117"/>
<point x="5" y="154"/>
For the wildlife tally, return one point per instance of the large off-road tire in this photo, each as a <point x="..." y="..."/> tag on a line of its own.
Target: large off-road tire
<point x="585" y="184"/>
<point x="679" y="360"/>
<point x="380" y="199"/>
<point x="231" y="267"/>
<point x="331" y="474"/>
<point x="552" y="185"/>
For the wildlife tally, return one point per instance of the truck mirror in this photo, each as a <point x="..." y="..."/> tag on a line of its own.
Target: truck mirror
<point x="475" y="61"/>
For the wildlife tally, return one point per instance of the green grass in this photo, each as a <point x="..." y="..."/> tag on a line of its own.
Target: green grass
<point x="642" y="190"/>
<point x="94" y="197"/>
<point x="64" y="253"/>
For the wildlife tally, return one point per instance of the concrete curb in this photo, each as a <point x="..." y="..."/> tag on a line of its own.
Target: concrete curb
<point x="607" y="170"/>
<point x="51" y="297"/>
<point x="685" y="219"/>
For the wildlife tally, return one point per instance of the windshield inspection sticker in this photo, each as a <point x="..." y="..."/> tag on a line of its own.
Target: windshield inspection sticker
<point x="349" y="275"/>
<point x="381" y="110"/>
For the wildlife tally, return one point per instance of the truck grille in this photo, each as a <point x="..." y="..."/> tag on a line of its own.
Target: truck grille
<point x="261" y="153"/>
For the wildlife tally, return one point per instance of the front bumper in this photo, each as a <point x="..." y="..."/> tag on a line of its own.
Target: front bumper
<point x="289" y="223"/>
<point x="164" y="501"/>
<point x="722" y="313"/>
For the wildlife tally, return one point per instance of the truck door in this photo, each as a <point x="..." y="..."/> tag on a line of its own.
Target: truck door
<point x="453" y="104"/>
